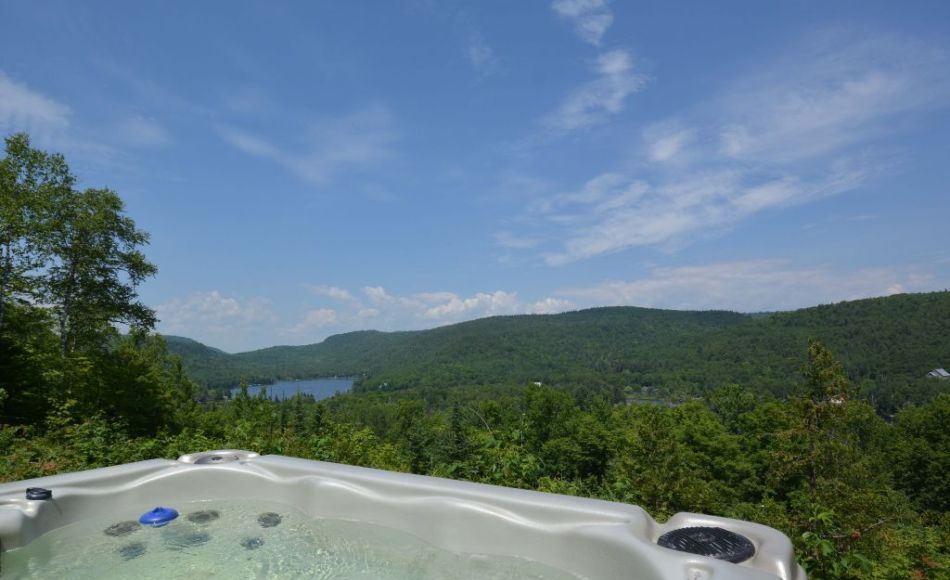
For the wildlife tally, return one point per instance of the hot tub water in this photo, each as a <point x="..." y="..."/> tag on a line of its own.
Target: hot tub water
<point x="251" y="539"/>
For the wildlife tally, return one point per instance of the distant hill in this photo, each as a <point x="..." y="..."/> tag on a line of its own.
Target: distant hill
<point x="192" y="348"/>
<point x="893" y="340"/>
<point x="502" y="348"/>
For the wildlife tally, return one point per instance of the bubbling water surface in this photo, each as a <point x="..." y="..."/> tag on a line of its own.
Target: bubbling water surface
<point x="252" y="539"/>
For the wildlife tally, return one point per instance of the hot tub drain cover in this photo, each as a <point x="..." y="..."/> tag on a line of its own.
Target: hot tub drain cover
<point x="203" y="516"/>
<point x="708" y="541"/>
<point x="122" y="528"/>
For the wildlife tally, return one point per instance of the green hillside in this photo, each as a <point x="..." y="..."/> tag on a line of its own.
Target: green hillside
<point x="886" y="345"/>
<point x="572" y="346"/>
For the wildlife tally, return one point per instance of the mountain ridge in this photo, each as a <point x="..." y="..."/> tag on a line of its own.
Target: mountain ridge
<point x="885" y="341"/>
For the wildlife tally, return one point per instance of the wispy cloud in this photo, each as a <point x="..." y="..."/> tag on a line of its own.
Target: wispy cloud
<point x="836" y="90"/>
<point x="667" y="141"/>
<point x="247" y="100"/>
<point x="54" y="125"/>
<point x="363" y="138"/>
<point x="590" y="18"/>
<point x="458" y="19"/>
<point x="50" y="124"/>
<point x="751" y="286"/>
<point x="141" y="131"/>
<point x="640" y="214"/>
<point x="480" y="54"/>
<point x="136" y="86"/>
<point x="510" y="240"/>
<point x="605" y="95"/>
<point x="22" y="108"/>
<point x="800" y="131"/>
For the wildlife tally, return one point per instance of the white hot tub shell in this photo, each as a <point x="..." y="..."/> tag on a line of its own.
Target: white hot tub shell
<point x="595" y="539"/>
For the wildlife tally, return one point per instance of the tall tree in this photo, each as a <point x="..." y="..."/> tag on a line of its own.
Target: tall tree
<point x="96" y="267"/>
<point x="819" y="401"/>
<point x="29" y="180"/>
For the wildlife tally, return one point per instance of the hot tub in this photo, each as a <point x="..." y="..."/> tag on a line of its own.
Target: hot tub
<point x="245" y="515"/>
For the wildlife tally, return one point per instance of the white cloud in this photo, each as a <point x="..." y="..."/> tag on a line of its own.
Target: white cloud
<point x="590" y="18"/>
<point x="434" y="297"/>
<point x="313" y="319"/>
<point x="363" y="138"/>
<point x="214" y="318"/>
<point x="750" y="286"/>
<point x="550" y="306"/>
<point x="595" y="101"/>
<point x="484" y="304"/>
<point x="389" y="311"/>
<point x="141" y="131"/>
<point x="377" y="295"/>
<point x="333" y="293"/>
<point x="22" y="108"/>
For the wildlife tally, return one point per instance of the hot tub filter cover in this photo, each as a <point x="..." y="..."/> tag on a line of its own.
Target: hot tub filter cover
<point x="38" y="493"/>
<point x="709" y="541"/>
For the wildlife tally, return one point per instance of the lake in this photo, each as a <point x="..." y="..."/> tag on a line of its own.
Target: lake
<point x="318" y="388"/>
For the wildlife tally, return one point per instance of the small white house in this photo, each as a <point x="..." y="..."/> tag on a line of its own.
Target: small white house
<point x="939" y="374"/>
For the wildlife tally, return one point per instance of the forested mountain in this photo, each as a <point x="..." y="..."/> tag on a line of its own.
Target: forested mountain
<point x="887" y="345"/>
<point x="497" y="349"/>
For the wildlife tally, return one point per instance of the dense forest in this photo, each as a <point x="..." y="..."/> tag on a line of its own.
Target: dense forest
<point x="887" y="346"/>
<point x="773" y="419"/>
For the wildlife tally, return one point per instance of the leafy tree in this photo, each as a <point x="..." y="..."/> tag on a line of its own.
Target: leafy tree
<point x="729" y="403"/>
<point x="29" y="181"/>
<point x="97" y="265"/>
<point x="922" y="456"/>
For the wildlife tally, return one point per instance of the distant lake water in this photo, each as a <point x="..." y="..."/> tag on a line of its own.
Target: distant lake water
<point x="318" y="388"/>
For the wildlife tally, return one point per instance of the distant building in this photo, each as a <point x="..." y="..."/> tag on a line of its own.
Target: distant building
<point x="939" y="374"/>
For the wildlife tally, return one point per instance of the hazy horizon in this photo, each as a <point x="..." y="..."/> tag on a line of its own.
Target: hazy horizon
<point x="277" y="345"/>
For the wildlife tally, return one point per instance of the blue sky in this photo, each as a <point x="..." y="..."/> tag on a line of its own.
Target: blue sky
<point x="310" y="168"/>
